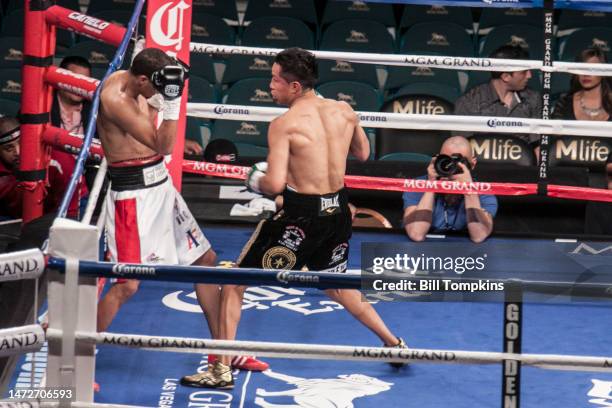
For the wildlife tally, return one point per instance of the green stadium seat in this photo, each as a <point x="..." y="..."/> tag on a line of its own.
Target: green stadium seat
<point x="437" y="38"/>
<point x="9" y="107"/>
<point x="528" y="37"/>
<point x="251" y="150"/>
<point x="442" y="91"/>
<point x="406" y="156"/>
<point x="493" y="17"/>
<point x="332" y="70"/>
<point x="202" y="65"/>
<point x="278" y="32"/>
<point x="415" y="14"/>
<point x="98" y="54"/>
<point x="220" y="8"/>
<point x="12" y="26"/>
<point x="400" y="76"/>
<point x="341" y="10"/>
<point x="301" y="9"/>
<point x="206" y="28"/>
<point x="361" y="97"/>
<point x="239" y="67"/>
<point x="357" y="36"/>
<point x="10" y="84"/>
<point x="600" y="37"/>
<point x="251" y="91"/>
<point x="11" y="52"/>
<point x="573" y="19"/>
<point x="96" y="6"/>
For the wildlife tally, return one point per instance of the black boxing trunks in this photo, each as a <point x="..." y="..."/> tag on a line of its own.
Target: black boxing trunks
<point x="310" y="230"/>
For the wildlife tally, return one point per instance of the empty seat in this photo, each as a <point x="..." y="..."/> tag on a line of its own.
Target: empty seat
<point x="206" y="28"/>
<point x="528" y="37"/>
<point x="340" y="10"/>
<point x="278" y="32"/>
<point x="358" y="36"/>
<point x="592" y="37"/>
<point x="493" y="17"/>
<point x="415" y="14"/>
<point x="11" y="52"/>
<point x="220" y="8"/>
<point x="252" y="91"/>
<point x="400" y="76"/>
<point x="574" y="19"/>
<point x="437" y="38"/>
<point x="360" y="96"/>
<point x="301" y="9"/>
<point x="10" y="84"/>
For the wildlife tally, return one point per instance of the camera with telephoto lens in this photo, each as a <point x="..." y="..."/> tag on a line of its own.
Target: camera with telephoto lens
<point x="447" y="166"/>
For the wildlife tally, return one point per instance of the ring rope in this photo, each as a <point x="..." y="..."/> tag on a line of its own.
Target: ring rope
<point x="334" y="352"/>
<point x="432" y="61"/>
<point x="21" y="339"/>
<point x="27" y="264"/>
<point x="419" y="121"/>
<point x="68" y="142"/>
<point x="309" y="279"/>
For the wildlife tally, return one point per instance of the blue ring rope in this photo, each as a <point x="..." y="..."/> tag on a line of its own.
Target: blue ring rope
<point x="91" y="124"/>
<point x="309" y="279"/>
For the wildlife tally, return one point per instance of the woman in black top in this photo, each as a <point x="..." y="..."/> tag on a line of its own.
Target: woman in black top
<point x="590" y="96"/>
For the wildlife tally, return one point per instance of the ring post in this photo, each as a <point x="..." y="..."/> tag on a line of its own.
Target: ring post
<point x="72" y="303"/>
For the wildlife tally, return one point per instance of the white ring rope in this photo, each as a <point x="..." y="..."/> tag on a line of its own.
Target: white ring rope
<point x="22" y="339"/>
<point x="28" y="264"/>
<point x="333" y="352"/>
<point x="489" y="124"/>
<point x="431" y="61"/>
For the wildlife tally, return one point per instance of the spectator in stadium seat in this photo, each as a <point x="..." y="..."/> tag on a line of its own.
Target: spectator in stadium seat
<point x="10" y="195"/>
<point x="71" y="112"/>
<point x="424" y="212"/>
<point x="505" y="95"/>
<point x="590" y="96"/>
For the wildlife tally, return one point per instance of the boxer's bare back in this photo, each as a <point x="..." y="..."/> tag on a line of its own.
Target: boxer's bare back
<point x="126" y="122"/>
<point x="312" y="141"/>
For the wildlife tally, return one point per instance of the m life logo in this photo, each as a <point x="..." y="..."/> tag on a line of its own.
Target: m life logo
<point x="167" y="24"/>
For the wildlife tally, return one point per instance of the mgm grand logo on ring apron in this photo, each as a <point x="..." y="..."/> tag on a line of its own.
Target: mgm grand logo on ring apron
<point x="279" y="257"/>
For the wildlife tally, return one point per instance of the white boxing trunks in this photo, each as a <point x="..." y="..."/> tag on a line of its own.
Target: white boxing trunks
<point x="147" y="220"/>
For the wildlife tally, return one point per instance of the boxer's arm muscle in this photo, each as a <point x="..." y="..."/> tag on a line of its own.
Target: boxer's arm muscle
<point x="278" y="160"/>
<point x="360" y="146"/>
<point x="130" y="118"/>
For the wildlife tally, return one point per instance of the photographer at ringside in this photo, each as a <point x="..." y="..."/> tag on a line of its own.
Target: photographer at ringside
<point x="436" y="212"/>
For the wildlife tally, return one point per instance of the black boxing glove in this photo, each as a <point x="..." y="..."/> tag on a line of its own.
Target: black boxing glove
<point x="170" y="80"/>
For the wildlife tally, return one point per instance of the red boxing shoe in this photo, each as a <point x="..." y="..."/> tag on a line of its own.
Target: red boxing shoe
<point x="245" y="363"/>
<point x="249" y="363"/>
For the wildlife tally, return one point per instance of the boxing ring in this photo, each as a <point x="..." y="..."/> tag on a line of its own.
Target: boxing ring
<point x="541" y="345"/>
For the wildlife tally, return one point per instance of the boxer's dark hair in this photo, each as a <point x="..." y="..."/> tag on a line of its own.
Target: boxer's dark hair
<point x="298" y="65"/>
<point x="150" y="60"/>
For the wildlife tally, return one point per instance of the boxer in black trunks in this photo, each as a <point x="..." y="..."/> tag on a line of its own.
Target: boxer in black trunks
<point x="309" y="145"/>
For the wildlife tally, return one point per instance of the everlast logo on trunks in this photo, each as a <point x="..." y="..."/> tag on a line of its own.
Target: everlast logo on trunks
<point x="123" y="270"/>
<point x="329" y="205"/>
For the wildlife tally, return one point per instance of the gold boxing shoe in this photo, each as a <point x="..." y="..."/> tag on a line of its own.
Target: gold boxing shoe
<point x="401" y="344"/>
<point x="218" y="376"/>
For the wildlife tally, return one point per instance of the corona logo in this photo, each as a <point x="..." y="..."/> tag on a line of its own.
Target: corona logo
<point x="167" y="24"/>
